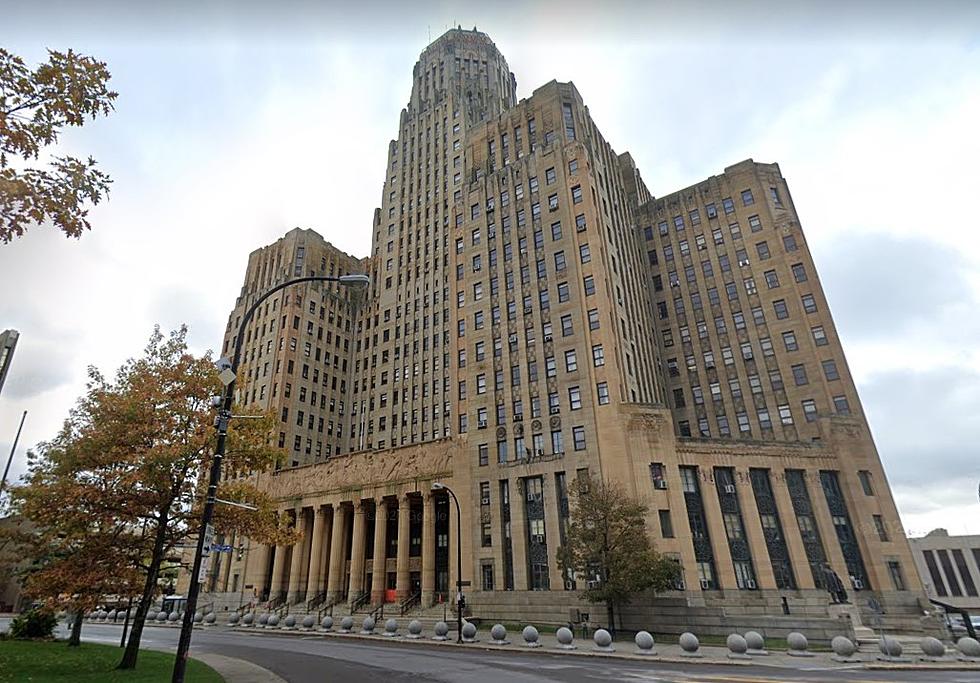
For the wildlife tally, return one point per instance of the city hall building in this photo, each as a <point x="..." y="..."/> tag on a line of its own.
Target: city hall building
<point x="536" y="313"/>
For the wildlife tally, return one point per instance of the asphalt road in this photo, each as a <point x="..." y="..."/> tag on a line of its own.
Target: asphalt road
<point x="299" y="659"/>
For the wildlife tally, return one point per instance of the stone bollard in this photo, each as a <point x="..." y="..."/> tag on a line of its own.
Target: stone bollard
<point x="264" y="620"/>
<point x="644" y="643"/>
<point x="150" y="616"/>
<point x="327" y="623"/>
<point x="173" y="617"/>
<point x="273" y="621"/>
<point x="756" y="643"/>
<point x="198" y="618"/>
<point x="933" y="649"/>
<point x="565" y="638"/>
<point x="346" y="624"/>
<point x="248" y="619"/>
<point x="798" y="644"/>
<point x="891" y="650"/>
<point x="737" y="647"/>
<point x="530" y="635"/>
<point x="498" y="635"/>
<point x="289" y="622"/>
<point x="161" y="617"/>
<point x="441" y="629"/>
<point x="391" y="628"/>
<point x="603" y="641"/>
<point x="367" y="626"/>
<point x="233" y="619"/>
<point x="969" y="649"/>
<point x="210" y="618"/>
<point x="415" y="629"/>
<point x="308" y="622"/>
<point x="111" y="616"/>
<point x="469" y="633"/>
<point x="844" y="650"/>
<point x="690" y="646"/>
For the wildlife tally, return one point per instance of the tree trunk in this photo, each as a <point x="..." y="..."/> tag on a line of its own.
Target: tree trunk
<point x="146" y="600"/>
<point x="75" y="639"/>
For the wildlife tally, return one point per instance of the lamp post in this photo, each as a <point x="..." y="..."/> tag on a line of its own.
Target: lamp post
<point x="437" y="486"/>
<point x="229" y="371"/>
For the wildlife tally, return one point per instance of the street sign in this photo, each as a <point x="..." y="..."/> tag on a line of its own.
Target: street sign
<point x="208" y="540"/>
<point x="464" y="583"/>
<point x="226" y="376"/>
<point x="202" y="575"/>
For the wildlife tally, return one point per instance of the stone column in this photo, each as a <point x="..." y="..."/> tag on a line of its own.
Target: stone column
<point x="428" y="550"/>
<point x="314" y="584"/>
<point x="402" y="575"/>
<point x="256" y="569"/>
<point x="552" y="533"/>
<point x="518" y="533"/>
<point x="827" y="530"/>
<point x="717" y="534"/>
<point x="278" y="571"/>
<point x="296" y="561"/>
<point x="378" y="564"/>
<point x="765" y="579"/>
<point x="336" y="573"/>
<point x="791" y="532"/>
<point x="356" y="585"/>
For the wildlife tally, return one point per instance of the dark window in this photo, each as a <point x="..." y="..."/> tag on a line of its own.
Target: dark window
<point x="779" y="306"/>
<point x="865" y="477"/>
<point x="747" y="199"/>
<point x="799" y="272"/>
<point x="666" y="526"/>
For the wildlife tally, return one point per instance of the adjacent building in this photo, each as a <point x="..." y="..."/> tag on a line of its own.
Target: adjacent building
<point x="536" y="313"/>
<point x="8" y="343"/>
<point x="949" y="567"/>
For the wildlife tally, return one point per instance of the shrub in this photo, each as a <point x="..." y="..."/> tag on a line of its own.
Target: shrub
<point x="33" y="624"/>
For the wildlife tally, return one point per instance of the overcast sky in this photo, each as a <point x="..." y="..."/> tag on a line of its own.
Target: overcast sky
<point x="239" y="121"/>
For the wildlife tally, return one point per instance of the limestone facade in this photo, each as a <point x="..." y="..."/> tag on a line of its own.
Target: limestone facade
<point x="537" y="313"/>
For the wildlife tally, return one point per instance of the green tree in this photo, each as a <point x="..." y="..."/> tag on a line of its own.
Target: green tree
<point x="35" y="106"/>
<point x="131" y="456"/>
<point x="607" y="545"/>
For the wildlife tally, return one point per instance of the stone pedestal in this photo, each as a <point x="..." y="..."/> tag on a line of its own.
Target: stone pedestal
<point x="853" y="614"/>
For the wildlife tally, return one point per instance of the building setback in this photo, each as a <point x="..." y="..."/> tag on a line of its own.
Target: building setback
<point x="8" y="344"/>
<point x="537" y="314"/>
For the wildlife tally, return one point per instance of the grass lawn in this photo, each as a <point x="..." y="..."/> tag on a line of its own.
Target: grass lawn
<point x="24" y="660"/>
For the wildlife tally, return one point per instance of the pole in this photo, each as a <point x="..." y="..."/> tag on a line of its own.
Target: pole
<point x="129" y="608"/>
<point x="459" y="569"/>
<point x="224" y="415"/>
<point x="10" y="458"/>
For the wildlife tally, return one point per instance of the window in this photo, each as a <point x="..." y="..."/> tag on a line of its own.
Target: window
<point x="819" y="337"/>
<point x="594" y="319"/>
<point x="809" y="410"/>
<point x="830" y="370"/>
<point x="785" y="415"/>
<point x="566" y="326"/>
<point x="577" y="194"/>
<point x="584" y="254"/>
<point x="559" y="261"/>
<point x="598" y="356"/>
<point x="765" y="422"/>
<point x="549" y="176"/>
<point x="501" y="451"/>
<point x="556" y="230"/>
<point x="563" y="294"/>
<point x="762" y="249"/>
<point x="772" y="280"/>
<point x="602" y="391"/>
<point x="747" y="199"/>
<point x="573" y="166"/>
<point x="578" y="437"/>
<point x="789" y="340"/>
<point x="580" y="222"/>
<point x="865" y="477"/>
<point x="728" y="205"/>
<point x="779" y="306"/>
<point x="799" y="272"/>
<point x="749" y="284"/>
<point x="574" y="398"/>
<point x="809" y="304"/>
<point x="841" y="406"/>
<point x="879" y="523"/>
<point x="755" y="224"/>
<point x="799" y="375"/>
<point x="589" y="282"/>
<point x="666" y="527"/>
<point x="895" y="571"/>
<point x="571" y="362"/>
<point x="484" y="455"/>
<point x="789" y="243"/>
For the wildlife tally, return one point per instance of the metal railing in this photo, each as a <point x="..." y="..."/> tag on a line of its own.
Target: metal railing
<point x="410" y="602"/>
<point x="359" y="601"/>
<point x="316" y="601"/>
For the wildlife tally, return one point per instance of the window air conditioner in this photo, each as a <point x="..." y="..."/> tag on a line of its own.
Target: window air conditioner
<point x="705" y="584"/>
<point x="729" y="488"/>
<point x="750" y="584"/>
<point x="660" y="484"/>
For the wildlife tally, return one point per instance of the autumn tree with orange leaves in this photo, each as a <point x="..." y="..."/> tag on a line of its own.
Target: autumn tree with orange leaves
<point x="127" y="473"/>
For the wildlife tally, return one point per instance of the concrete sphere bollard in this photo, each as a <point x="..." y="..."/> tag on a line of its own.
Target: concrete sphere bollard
<point x="469" y="633"/>
<point x="210" y="618"/>
<point x="890" y="647"/>
<point x="233" y="619"/>
<point x="565" y="638"/>
<point x="248" y="619"/>
<point x="161" y="617"/>
<point x="440" y="630"/>
<point x="737" y="647"/>
<point x="346" y="624"/>
<point x="415" y="629"/>
<point x="367" y="626"/>
<point x="326" y="623"/>
<point x="102" y="615"/>
<point x="798" y="644"/>
<point x="690" y="646"/>
<point x="198" y="617"/>
<point x="603" y="641"/>
<point x="273" y="620"/>
<point x="968" y="647"/>
<point x="111" y="616"/>
<point x="308" y="622"/>
<point x="932" y="647"/>
<point x="644" y="643"/>
<point x="289" y="621"/>
<point x="151" y="615"/>
<point x="173" y="617"/>
<point x="391" y="628"/>
<point x="531" y="636"/>
<point x="264" y="619"/>
<point x="498" y="635"/>
<point x="843" y="648"/>
<point x="756" y="643"/>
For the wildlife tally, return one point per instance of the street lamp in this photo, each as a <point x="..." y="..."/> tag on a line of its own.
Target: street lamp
<point x="354" y="280"/>
<point x="437" y="486"/>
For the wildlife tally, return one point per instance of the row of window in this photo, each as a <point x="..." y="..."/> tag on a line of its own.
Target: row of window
<point x="536" y="448"/>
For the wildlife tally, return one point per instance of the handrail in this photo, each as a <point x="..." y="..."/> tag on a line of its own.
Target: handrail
<point x="967" y="623"/>
<point x="408" y="603"/>
<point x="316" y="601"/>
<point x="359" y="601"/>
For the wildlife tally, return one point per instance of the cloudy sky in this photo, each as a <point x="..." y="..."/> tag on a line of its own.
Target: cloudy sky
<point x="238" y="121"/>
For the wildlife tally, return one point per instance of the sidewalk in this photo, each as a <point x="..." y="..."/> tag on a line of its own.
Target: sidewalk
<point x="238" y="670"/>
